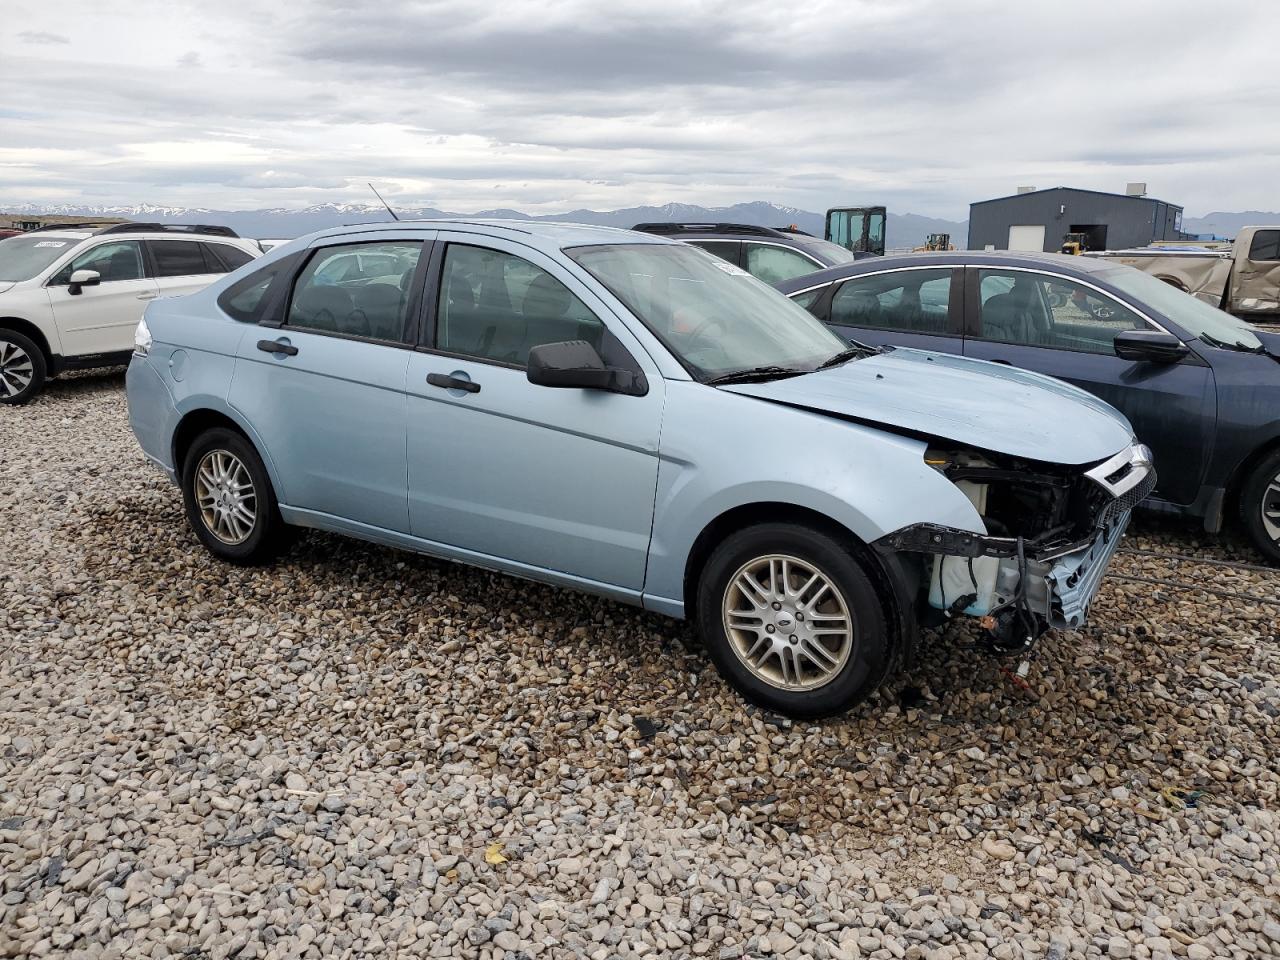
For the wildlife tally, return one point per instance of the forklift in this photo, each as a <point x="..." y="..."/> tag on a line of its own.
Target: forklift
<point x="935" y="243"/>
<point x="860" y="229"/>
<point x="1075" y="244"/>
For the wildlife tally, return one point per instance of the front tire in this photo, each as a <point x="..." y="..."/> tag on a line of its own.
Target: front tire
<point x="22" y="368"/>
<point x="229" y="500"/>
<point x="1260" y="506"/>
<point x="793" y="620"/>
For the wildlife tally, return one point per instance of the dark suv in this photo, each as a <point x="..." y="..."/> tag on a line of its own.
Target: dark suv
<point x="771" y="254"/>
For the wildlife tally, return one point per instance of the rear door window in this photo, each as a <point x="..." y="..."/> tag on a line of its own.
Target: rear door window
<point x="913" y="301"/>
<point x="730" y="250"/>
<point x="179" y="258"/>
<point x="357" y="290"/>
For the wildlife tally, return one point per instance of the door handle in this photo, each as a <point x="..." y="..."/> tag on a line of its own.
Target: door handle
<point x="147" y="296"/>
<point x="277" y="346"/>
<point x="452" y="383"/>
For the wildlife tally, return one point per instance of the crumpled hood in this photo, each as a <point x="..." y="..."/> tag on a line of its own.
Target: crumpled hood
<point x="985" y="405"/>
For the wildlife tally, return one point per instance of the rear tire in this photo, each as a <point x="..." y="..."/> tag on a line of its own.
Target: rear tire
<point x="22" y="368"/>
<point x="229" y="501"/>
<point x="793" y="620"/>
<point x="1260" y="506"/>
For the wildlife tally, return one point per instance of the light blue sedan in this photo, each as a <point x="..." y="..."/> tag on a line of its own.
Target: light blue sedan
<point x="624" y="414"/>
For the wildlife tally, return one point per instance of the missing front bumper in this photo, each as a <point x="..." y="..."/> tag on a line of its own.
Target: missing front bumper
<point x="1019" y="587"/>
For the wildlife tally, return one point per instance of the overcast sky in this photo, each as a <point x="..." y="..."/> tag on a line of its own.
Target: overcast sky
<point x="550" y="106"/>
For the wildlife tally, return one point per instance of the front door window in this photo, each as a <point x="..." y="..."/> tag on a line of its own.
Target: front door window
<point x="118" y="260"/>
<point x="496" y="306"/>
<point x="1045" y="311"/>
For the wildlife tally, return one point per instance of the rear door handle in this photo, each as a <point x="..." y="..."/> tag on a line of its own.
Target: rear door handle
<point x="277" y="346"/>
<point x="147" y="296"/>
<point x="451" y="383"/>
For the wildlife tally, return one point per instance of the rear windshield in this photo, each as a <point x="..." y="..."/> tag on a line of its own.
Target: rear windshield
<point x="833" y="253"/>
<point x="1192" y="314"/>
<point x="22" y="258"/>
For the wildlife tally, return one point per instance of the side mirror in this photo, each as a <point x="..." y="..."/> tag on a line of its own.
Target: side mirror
<point x="81" y="279"/>
<point x="1149" y="345"/>
<point x="571" y="363"/>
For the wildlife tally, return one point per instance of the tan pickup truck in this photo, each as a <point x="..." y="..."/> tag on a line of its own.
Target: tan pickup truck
<point x="1241" y="277"/>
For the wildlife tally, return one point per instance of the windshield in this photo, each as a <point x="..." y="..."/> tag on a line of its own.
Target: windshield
<point x="1193" y="315"/>
<point x="716" y="318"/>
<point x="21" y="258"/>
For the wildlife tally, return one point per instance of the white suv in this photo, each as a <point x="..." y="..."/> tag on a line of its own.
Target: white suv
<point x="71" y="298"/>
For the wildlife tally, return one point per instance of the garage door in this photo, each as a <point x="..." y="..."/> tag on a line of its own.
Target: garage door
<point x="1027" y="237"/>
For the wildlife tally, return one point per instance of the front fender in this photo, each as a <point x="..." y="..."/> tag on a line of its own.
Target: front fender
<point x="720" y="451"/>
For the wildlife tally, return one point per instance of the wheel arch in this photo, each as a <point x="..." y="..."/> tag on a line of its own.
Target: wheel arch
<point x="35" y="335"/>
<point x="893" y="579"/>
<point x="1242" y="472"/>
<point x="198" y="419"/>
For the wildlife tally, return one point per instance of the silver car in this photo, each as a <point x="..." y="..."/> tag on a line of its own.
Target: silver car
<point x="624" y="414"/>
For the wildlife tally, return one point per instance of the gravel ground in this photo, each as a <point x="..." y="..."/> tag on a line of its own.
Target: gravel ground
<point x="362" y="752"/>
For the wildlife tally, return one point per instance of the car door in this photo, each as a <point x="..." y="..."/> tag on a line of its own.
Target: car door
<point x="321" y="380"/>
<point x="916" y="307"/>
<point x="557" y="481"/>
<point x="101" y="319"/>
<point x="1066" y="328"/>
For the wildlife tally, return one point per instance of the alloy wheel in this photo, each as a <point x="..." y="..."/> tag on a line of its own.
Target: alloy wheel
<point x="226" y="497"/>
<point x="1270" y="508"/>
<point x="16" y="369"/>
<point x="787" y="622"/>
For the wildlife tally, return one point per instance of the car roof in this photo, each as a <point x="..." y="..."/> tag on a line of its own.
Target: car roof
<point x="134" y="235"/>
<point x="1060" y="262"/>
<point x="537" y="233"/>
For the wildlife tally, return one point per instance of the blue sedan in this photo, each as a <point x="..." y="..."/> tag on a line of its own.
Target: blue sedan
<point x="1201" y="388"/>
<point x="624" y="414"/>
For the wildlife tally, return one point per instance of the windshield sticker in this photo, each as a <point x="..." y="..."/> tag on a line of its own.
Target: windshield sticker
<point x="52" y="243"/>
<point x="731" y="269"/>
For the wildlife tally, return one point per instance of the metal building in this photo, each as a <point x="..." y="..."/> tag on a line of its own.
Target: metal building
<point x="1041" y="219"/>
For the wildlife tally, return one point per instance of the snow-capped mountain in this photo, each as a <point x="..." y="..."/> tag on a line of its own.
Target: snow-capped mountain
<point x="904" y="230"/>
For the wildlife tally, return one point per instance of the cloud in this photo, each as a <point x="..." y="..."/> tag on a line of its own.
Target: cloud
<point x="40" y="36"/>
<point x="559" y="104"/>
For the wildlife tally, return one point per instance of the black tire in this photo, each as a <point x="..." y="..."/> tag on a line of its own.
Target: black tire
<point x="1261" y="491"/>
<point x="20" y="379"/>
<point x="268" y="534"/>
<point x="871" y="651"/>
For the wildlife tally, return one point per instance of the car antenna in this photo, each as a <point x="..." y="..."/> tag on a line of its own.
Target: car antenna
<point x="384" y="203"/>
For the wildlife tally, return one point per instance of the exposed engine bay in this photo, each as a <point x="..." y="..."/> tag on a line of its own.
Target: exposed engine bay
<point x="1050" y="532"/>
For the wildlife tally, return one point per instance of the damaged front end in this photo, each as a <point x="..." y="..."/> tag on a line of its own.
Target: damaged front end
<point x="1050" y="532"/>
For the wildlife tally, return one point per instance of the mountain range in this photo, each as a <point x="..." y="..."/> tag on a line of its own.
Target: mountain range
<point x="903" y="230"/>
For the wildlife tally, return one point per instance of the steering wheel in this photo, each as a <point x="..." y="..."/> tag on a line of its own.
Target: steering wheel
<point x="696" y="332"/>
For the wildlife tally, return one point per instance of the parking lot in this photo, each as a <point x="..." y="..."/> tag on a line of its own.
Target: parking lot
<point x="362" y="750"/>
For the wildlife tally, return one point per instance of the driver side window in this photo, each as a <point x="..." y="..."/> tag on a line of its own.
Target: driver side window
<point x="496" y="306"/>
<point x="118" y="260"/>
<point x="1043" y="311"/>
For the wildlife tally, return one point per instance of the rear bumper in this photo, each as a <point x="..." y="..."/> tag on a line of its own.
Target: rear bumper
<point x="153" y="417"/>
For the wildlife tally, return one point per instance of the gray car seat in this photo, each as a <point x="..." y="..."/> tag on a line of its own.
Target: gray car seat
<point x="380" y="304"/>
<point x="1007" y="316"/>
